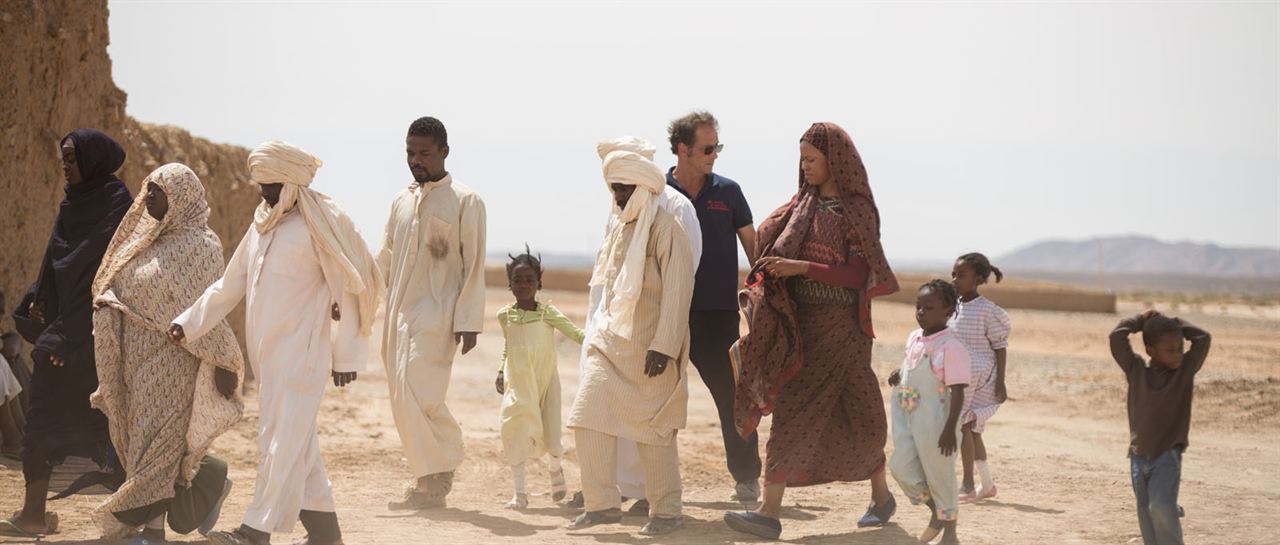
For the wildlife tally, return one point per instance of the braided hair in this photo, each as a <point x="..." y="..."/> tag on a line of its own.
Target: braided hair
<point x="981" y="265"/>
<point x="527" y="259"/>
<point x="944" y="289"/>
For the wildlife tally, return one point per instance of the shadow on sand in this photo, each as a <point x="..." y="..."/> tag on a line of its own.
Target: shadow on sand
<point x="499" y="526"/>
<point x="1019" y="507"/>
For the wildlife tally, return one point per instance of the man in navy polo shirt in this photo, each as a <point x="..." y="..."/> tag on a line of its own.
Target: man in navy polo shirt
<point x="725" y="220"/>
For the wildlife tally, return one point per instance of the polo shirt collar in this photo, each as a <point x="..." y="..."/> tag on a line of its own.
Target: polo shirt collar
<point x="712" y="181"/>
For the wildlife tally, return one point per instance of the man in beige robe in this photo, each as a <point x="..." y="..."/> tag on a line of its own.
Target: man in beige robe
<point x="433" y="262"/>
<point x="634" y="383"/>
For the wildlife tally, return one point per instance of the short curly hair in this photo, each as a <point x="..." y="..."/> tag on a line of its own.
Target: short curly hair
<point x="432" y="128"/>
<point x="683" y="130"/>
<point x="1159" y="326"/>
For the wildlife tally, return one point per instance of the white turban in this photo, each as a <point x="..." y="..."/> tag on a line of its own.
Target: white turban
<point x="627" y="160"/>
<point x="332" y="231"/>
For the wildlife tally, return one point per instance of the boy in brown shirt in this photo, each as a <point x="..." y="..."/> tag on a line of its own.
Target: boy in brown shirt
<point x="1159" y="414"/>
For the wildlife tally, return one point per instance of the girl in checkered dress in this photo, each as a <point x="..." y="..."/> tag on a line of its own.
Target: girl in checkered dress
<point x="983" y="327"/>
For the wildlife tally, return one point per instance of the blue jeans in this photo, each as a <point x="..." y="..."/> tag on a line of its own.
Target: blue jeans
<point x="1155" y="484"/>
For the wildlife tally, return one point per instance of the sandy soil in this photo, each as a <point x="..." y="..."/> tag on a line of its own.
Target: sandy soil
<point x="1057" y="450"/>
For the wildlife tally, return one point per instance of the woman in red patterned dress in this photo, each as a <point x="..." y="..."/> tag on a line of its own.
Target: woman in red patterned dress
<point x="807" y="358"/>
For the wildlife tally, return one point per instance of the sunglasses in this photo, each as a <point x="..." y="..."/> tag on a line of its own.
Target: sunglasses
<point x="713" y="148"/>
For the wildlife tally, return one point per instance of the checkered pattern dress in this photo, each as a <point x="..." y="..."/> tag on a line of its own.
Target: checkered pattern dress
<point x="983" y="327"/>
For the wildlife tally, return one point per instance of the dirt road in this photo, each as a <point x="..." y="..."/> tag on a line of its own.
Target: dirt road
<point x="1057" y="450"/>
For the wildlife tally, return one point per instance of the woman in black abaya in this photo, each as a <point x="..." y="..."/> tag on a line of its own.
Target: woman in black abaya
<point x="56" y="317"/>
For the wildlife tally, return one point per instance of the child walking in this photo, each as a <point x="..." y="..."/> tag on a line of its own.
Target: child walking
<point x="928" y="396"/>
<point x="983" y="327"/>
<point x="528" y="379"/>
<point x="1159" y="415"/>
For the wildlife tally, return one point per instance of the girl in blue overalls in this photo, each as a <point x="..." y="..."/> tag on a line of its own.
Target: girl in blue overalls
<point x="928" y="395"/>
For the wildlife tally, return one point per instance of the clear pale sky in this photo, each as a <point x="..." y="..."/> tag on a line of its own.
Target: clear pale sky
<point x="983" y="126"/>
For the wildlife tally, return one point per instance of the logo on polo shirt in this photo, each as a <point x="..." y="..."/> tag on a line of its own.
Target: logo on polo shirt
<point x="718" y="206"/>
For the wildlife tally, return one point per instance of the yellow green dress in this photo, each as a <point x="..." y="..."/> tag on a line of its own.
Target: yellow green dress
<point x="531" y="401"/>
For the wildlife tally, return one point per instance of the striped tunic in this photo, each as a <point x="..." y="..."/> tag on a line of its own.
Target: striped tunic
<point x="983" y="327"/>
<point x="615" y="397"/>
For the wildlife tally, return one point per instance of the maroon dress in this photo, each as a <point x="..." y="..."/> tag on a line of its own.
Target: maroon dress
<point x="829" y="422"/>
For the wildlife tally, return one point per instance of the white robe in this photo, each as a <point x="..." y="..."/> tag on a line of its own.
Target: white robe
<point x="292" y="349"/>
<point x="630" y="472"/>
<point x="9" y="385"/>
<point x="433" y="260"/>
<point x="615" y="397"/>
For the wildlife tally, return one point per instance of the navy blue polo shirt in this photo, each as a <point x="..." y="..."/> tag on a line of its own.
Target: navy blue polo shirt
<point x="722" y="210"/>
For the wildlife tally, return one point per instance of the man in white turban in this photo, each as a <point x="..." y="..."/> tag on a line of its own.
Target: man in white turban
<point x="634" y="383"/>
<point x="433" y="262"/>
<point x="301" y="267"/>
<point x="630" y="474"/>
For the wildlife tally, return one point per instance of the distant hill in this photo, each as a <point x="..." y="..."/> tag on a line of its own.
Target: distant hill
<point x="550" y="260"/>
<point x="1143" y="255"/>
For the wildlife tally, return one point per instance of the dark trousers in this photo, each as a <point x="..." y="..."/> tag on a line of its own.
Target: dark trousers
<point x="189" y="506"/>
<point x="711" y="334"/>
<point x="1155" y="486"/>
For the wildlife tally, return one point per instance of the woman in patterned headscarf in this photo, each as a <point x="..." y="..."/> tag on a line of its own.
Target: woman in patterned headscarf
<point x="807" y="358"/>
<point x="166" y="402"/>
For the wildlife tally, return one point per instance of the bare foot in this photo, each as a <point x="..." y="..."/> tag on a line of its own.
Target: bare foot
<point x="949" y="535"/>
<point x="935" y="526"/>
<point x="19" y="526"/>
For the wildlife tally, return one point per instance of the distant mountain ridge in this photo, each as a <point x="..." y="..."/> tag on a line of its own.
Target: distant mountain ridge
<point x="1145" y="255"/>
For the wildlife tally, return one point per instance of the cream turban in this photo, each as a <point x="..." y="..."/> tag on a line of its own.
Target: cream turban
<point x="627" y="160"/>
<point x="332" y="231"/>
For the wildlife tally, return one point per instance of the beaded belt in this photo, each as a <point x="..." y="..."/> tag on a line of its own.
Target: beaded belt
<point x="809" y="291"/>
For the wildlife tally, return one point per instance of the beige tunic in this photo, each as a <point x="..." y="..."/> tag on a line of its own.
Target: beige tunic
<point x="433" y="261"/>
<point x="615" y="397"/>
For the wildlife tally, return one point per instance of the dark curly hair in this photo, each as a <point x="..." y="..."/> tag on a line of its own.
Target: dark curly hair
<point x="432" y="128"/>
<point x="981" y="265"/>
<point x="944" y="289"/>
<point x="1157" y="327"/>
<point x="527" y="259"/>
<point x="682" y="131"/>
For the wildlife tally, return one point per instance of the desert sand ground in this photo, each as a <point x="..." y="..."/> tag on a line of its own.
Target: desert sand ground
<point x="1057" y="449"/>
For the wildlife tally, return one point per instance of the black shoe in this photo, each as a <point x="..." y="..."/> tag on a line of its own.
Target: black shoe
<point x="239" y="536"/>
<point x="751" y="522"/>
<point x="577" y="502"/>
<point x="594" y="518"/>
<point x="879" y="515"/>
<point x="639" y="509"/>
